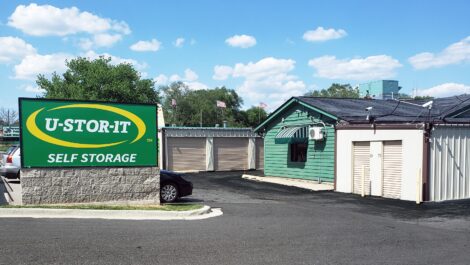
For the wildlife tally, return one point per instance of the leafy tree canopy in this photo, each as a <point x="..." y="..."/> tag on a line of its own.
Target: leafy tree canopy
<point x="196" y="107"/>
<point x="406" y="96"/>
<point x="99" y="80"/>
<point x="336" y="91"/>
<point x="254" y="116"/>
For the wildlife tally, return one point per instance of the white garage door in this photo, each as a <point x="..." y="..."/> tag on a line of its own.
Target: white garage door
<point x="392" y="169"/>
<point x="230" y="153"/>
<point x="361" y="165"/>
<point x="186" y="154"/>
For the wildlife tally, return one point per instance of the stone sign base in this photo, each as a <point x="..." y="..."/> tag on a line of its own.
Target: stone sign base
<point x="79" y="185"/>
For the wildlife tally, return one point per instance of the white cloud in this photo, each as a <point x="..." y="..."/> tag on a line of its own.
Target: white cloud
<point x="174" y="78"/>
<point x="321" y="34"/>
<point x="100" y="40"/>
<point x="116" y="59"/>
<point x="179" y="42"/>
<point x="106" y="40"/>
<point x="14" y="49"/>
<point x="445" y="90"/>
<point x="190" y="75"/>
<point x="161" y="80"/>
<point x="372" y="67"/>
<point x="32" y="65"/>
<point x="35" y="64"/>
<point x="47" y="20"/>
<point x="222" y="72"/>
<point x="85" y="44"/>
<point x="455" y="53"/>
<point x="146" y="46"/>
<point x="190" y="79"/>
<point x="267" y="80"/>
<point x="241" y="41"/>
<point x="32" y="89"/>
<point x="196" y="85"/>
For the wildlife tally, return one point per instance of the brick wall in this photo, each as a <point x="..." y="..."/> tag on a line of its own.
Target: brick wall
<point x="78" y="185"/>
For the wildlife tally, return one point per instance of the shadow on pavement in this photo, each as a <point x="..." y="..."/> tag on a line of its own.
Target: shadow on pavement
<point x="233" y="183"/>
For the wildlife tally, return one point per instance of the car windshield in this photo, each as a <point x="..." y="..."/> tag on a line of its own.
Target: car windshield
<point x="10" y="150"/>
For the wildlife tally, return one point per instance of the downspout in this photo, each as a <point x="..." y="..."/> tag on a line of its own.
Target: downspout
<point x="335" y="162"/>
<point x="164" y="151"/>
<point x="426" y="160"/>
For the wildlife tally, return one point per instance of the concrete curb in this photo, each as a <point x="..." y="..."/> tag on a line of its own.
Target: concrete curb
<point x="299" y="183"/>
<point x="198" y="214"/>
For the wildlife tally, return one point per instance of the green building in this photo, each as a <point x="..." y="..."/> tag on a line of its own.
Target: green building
<point x="290" y="149"/>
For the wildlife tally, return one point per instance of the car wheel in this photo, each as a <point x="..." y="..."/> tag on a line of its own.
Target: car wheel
<point x="168" y="192"/>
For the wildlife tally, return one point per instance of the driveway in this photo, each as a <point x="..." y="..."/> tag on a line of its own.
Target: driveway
<point x="262" y="224"/>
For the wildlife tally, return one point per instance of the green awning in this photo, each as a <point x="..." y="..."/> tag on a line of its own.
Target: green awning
<point x="293" y="134"/>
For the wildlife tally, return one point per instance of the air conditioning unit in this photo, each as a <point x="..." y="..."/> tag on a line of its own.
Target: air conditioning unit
<point x="315" y="133"/>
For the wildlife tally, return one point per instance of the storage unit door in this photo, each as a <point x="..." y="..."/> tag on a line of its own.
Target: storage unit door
<point x="230" y="153"/>
<point x="186" y="154"/>
<point x="361" y="165"/>
<point x="392" y="169"/>
<point x="259" y="153"/>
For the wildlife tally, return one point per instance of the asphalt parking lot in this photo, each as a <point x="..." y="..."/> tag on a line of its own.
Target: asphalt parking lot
<point x="262" y="223"/>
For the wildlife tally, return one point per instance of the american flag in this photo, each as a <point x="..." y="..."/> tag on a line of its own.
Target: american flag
<point x="221" y="104"/>
<point x="263" y="105"/>
<point x="173" y="102"/>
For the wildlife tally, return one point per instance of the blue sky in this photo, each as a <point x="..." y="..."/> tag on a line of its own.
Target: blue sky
<point x="267" y="50"/>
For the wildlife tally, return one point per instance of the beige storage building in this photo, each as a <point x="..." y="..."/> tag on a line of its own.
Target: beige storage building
<point x="189" y="149"/>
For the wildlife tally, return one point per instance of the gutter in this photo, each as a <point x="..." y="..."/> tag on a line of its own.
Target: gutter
<point x="380" y="126"/>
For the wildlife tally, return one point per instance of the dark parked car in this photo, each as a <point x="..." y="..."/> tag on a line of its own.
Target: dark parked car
<point x="173" y="186"/>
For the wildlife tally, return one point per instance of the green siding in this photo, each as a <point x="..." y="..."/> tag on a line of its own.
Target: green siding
<point x="320" y="154"/>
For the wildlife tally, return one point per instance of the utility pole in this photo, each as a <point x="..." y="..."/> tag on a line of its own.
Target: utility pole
<point x="200" y="122"/>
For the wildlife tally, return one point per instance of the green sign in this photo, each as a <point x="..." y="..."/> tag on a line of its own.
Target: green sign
<point x="57" y="133"/>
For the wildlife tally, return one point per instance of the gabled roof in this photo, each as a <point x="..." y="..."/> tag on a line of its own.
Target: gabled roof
<point x="288" y="103"/>
<point x="383" y="111"/>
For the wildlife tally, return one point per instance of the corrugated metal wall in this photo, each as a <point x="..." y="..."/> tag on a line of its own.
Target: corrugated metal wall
<point x="449" y="163"/>
<point x="320" y="154"/>
<point x="259" y="153"/>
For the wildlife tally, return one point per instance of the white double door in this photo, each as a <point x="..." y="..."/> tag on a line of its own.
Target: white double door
<point x="376" y="164"/>
<point x="379" y="166"/>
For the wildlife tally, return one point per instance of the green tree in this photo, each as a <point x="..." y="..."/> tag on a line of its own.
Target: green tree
<point x="99" y="80"/>
<point x="254" y="116"/>
<point x="336" y="91"/>
<point x="408" y="97"/>
<point x="198" y="107"/>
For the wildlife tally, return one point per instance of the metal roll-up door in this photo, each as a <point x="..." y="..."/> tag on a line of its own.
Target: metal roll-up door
<point x="230" y="153"/>
<point x="361" y="165"/>
<point x="392" y="169"/>
<point x="186" y="154"/>
<point x="259" y="153"/>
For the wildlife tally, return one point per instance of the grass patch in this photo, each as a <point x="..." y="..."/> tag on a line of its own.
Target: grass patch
<point x="163" y="207"/>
